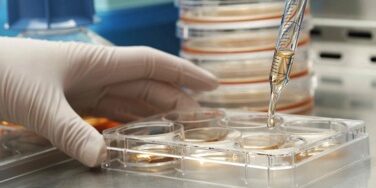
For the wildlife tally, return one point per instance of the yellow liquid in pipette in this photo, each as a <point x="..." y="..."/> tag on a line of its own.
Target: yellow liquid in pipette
<point x="278" y="80"/>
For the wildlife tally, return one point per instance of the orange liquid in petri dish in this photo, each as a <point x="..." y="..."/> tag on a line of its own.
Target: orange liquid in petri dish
<point x="292" y="101"/>
<point x="258" y="70"/>
<point x="233" y="13"/>
<point x="100" y="123"/>
<point x="236" y="43"/>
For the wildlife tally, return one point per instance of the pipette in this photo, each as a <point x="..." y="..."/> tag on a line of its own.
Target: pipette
<point x="284" y="52"/>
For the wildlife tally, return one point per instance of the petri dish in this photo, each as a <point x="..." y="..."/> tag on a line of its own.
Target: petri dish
<point x="145" y="151"/>
<point x="231" y="12"/>
<point x="304" y="108"/>
<point x="255" y="96"/>
<point x="238" y="42"/>
<point x="220" y="30"/>
<point x="248" y="69"/>
<point x="196" y="118"/>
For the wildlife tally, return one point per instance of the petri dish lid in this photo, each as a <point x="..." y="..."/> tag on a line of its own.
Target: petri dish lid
<point x="215" y="3"/>
<point x="293" y="105"/>
<point x="189" y="30"/>
<point x="233" y="12"/>
<point x="186" y="30"/>
<point x="302" y="108"/>
<point x="256" y="96"/>
<point x="237" y="43"/>
<point x="303" y="49"/>
<point x="250" y="70"/>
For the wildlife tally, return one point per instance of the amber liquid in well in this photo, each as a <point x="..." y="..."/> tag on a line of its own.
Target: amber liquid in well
<point x="279" y="76"/>
<point x="149" y="158"/>
<point x="263" y="142"/>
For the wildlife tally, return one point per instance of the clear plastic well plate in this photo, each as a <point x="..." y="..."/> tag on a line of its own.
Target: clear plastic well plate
<point x="239" y="150"/>
<point x="16" y="141"/>
<point x="22" y="151"/>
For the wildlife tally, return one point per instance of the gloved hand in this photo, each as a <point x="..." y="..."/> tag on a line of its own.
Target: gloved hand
<point x="43" y="85"/>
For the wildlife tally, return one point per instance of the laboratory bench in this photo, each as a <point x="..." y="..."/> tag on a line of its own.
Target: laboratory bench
<point x="343" y="91"/>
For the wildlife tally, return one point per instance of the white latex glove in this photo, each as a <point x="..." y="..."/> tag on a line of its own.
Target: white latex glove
<point x="43" y="84"/>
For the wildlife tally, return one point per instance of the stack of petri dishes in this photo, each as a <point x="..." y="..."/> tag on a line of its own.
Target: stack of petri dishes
<point x="235" y="41"/>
